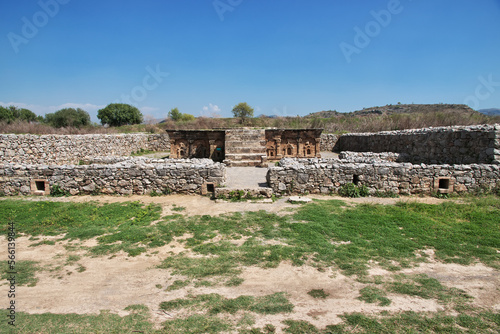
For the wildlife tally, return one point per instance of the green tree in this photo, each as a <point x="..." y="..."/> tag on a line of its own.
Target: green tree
<point x="175" y="114"/>
<point x="6" y="115"/>
<point x="27" y="115"/>
<point x="187" y="117"/>
<point x="118" y="114"/>
<point x="68" y="117"/>
<point x="242" y="111"/>
<point x="13" y="113"/>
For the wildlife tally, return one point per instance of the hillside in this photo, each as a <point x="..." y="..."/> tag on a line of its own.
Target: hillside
<point x="391" y="109"/>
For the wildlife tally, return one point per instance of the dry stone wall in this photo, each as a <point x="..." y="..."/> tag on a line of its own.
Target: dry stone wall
<point x="328" y="175"/>
<point x="61" y="149"/>
<point x="328" y="142"/>
<point x="127" y="177"/>
<point x="443" y="145"/>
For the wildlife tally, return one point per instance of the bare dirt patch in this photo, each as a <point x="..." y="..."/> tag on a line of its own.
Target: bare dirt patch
<point x="117" y="281"/>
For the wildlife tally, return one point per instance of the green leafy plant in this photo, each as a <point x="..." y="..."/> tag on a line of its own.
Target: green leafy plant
<point x="57" y="191"/>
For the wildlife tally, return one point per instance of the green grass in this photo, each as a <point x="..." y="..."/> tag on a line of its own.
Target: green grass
<point x="318" y="293"/>
<point x="426" y="287"/>
<point x="25" y="272"/>
<point x="105" y="322"/>
<point x="215" y="304"/>
<point x="124" y="222"/>
<point x="322" y="234"/>
<point x="372" y="294"/>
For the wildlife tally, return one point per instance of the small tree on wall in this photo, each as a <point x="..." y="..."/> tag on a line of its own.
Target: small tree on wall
<point x="242" y="111"/>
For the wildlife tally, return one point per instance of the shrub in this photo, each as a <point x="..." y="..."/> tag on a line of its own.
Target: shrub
<point x="349" y="190"/>
<point x="57" y="191"/>
<point x="68" y="117"/>
<point x="118" y="114"/>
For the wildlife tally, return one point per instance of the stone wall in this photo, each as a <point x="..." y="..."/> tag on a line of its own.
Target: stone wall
<point x="370" y="157"/>
<point x="444" y="145"/>
<point x="328" y="175"/>
<point x="127" y="177"/>
<point x="328" y="142"/>
<point x="60" y="149"/>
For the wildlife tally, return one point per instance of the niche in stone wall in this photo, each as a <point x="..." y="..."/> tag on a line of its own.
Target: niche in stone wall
<point x="40" y="187"/>
<point x="443" y="185"/>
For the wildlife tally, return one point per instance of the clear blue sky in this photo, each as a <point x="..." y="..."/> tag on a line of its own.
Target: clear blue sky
<point x="283" y="57"/>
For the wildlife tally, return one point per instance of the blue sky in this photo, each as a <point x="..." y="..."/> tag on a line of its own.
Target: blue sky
<point x="283" y="57"/>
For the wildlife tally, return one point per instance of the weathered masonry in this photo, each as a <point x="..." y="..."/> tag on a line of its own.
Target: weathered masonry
<point x="70" y="149"/>
<point x="121" y="176"/>
<point x="197" y="144"/>
<point x="244" y="146"/>
<point x="325" y="176"/>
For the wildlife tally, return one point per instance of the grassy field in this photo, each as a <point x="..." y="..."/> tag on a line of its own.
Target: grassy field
<point x="324" y="234"/>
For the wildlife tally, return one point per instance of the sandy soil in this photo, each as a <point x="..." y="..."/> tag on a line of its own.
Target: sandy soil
<point x="114" y="282"/>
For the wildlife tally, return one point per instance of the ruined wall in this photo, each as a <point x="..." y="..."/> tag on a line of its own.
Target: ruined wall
<point x="60" y="149"/>
<point x="329" y="142"/>
<point x="187" y="144"/>
<point x="129" y="176"/>
<point x="301" y="143"/>
<point x="444" y="145"/>
<point x="328" y="175"/>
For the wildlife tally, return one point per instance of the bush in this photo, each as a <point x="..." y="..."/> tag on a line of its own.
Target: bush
<point x="68" y="117"/>
<point x="57" y="191"/>
<point x="351" y="190"/>
<point x="12" y="113"/>
<point x="118" y="114"/>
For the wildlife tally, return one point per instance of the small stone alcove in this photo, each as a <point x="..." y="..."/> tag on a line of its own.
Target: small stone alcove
<point x="208" y="187"/>
<point x="40" y="187"/>
<point x="443" y="185"/>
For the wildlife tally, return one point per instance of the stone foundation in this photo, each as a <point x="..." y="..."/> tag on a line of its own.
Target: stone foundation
<point x="299" y="176"/>
<point x="130" y="176"/>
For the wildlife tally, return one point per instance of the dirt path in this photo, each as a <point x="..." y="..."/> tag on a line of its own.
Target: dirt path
<point x="199" y="205"/>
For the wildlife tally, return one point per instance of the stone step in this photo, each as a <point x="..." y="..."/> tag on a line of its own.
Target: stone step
<point x="246" y="150"/>
<point x="248" y="156"/>
<point x="259" y="142"/>
<point x="243" y="163"/>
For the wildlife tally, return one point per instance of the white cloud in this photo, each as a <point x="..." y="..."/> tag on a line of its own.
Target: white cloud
<point x="212" y="110"/>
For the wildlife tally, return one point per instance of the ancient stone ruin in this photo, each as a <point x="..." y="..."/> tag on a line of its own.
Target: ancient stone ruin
<point x="245" y="147"/>
<point x="422" y="161"/>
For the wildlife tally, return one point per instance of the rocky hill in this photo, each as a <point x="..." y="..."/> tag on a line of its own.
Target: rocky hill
<point x="399" y="109"/>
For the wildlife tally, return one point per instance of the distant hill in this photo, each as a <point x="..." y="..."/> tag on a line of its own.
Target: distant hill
<point x="490" y="112"/>
<point x="324" y="114"/>
<point x="398" y="109"/>
<point x="414" y="108"/>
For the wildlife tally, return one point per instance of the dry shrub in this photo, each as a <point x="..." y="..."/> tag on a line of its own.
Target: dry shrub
<point x="44" y="129"/>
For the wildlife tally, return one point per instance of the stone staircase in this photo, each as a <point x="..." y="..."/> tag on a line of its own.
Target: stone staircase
<point x="245" y="147"/>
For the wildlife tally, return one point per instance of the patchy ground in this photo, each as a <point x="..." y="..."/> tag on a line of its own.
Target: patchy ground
<point x="72" y="282"/>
